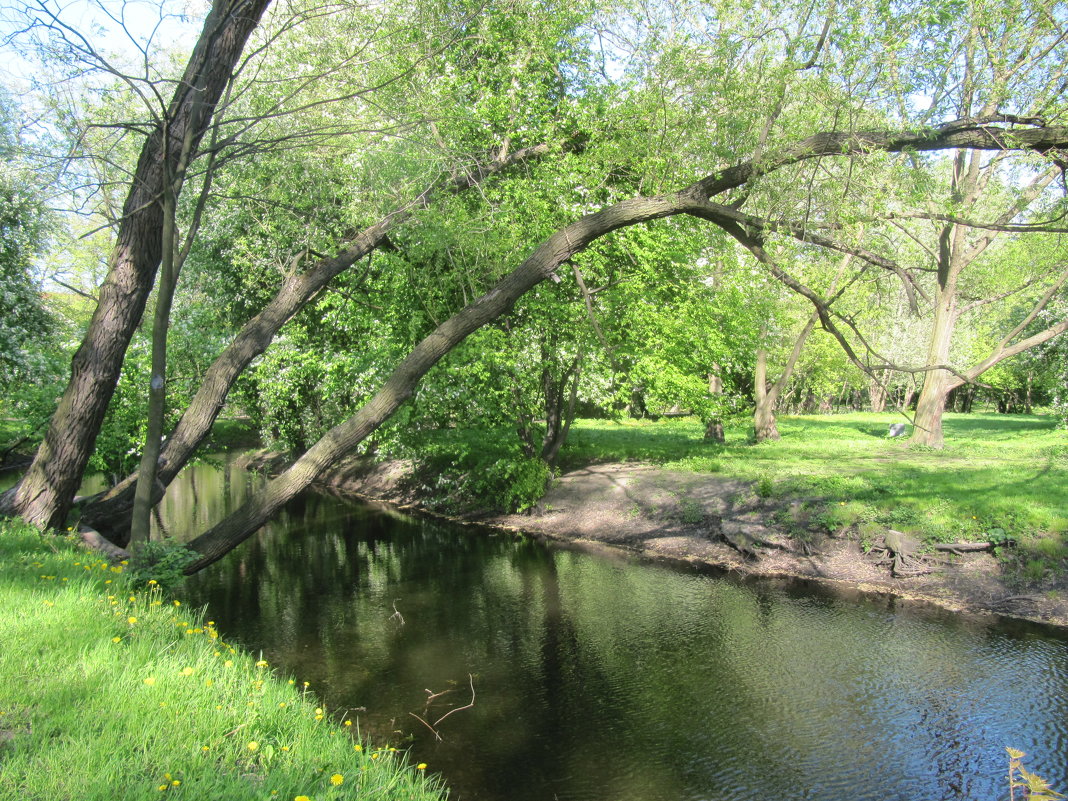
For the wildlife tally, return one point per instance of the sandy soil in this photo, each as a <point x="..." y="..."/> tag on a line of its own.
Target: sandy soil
<point x="710" y="520"/>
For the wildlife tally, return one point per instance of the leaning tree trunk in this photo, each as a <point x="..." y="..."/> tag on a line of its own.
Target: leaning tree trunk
<point x="559" y="247"/>
<point x="44" y="495"/>
<point x="111" y="512"/>
<point x="242" y="524"/>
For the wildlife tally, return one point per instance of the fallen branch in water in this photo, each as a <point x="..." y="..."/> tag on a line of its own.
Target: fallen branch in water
<point x="431" y="696"/>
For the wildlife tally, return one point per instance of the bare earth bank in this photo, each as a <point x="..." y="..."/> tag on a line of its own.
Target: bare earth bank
<point x="710" y="520"/>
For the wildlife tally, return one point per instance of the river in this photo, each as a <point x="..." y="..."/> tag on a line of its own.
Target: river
<point x="609" y="679"/>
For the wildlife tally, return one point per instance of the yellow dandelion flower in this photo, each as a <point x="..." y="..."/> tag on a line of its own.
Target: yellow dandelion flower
<point x="178" y="603"/>
<point x="302" y="798"/>
<point x="337" y="779"/>
<point x="421" y="766"/>
<point x="131" y="620"/>
<point x="318" y="711"/>
<point x="48" y="603"/>
<point x="176" y="782"/>
<point x="282" y="705"/>
<point x="204" y="748"/>
<point x="116" y="639"/>
<point x="262" y="663"/>
<point x="162" y="787"/>
<point x="228" y="663"/>
<point x="285" y="747"/>
<point x="357" y="747"/>
<point x="292" y="681"/>
<point x="253" y="746"/>
<point x="150" y="680"/>
<point x="348" y="722"/>
<point x="208" y="682"/>
<point x="124" y="562"/>
<point x="187" y="671"/>
<point x="318" y="717"/>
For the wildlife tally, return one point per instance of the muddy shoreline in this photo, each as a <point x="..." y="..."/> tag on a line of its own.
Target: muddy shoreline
<point x="701" y="519"/>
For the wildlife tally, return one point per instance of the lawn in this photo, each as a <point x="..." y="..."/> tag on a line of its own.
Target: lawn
<point x="999" y="475"/>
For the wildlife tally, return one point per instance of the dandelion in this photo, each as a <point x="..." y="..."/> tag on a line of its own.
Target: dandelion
<point x="49" y="603"/>
<point x="175" y="782"/>
<point x="348" y="722"/>
<point x="131" y="620"/>
<point x="421" y="766"/>
<point x="253" y="746"/>
<point x="302" y="798"/>
<point x="187" y="671"/>
<point x="152" y="582"/>
<point x="178" y="603"/>
<point x="228" y="663"/>
<point x="116" y="639"/>
<point x="162" y="787"/>
<point x="150" y="680"/>
<point x="357" y="747"/>
<point x="337" y="779"/>
<point x="262" y="663"/>
<point x="204" y="748"/>
<point x="208" y="682"/>
<point x="282" y="705"/>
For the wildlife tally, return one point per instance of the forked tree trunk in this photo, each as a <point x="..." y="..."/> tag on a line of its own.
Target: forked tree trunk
<point x="44" y="495"/>
<point x="764" y="427"/>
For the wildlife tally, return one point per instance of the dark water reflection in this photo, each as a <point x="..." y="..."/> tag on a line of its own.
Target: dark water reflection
<point x="613" y="680"/>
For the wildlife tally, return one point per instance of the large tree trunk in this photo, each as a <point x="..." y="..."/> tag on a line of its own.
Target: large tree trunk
<point x="44" y="495"/>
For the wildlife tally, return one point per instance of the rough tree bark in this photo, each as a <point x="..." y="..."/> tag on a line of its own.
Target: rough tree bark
<point x="44" y="495"/>
<point x="543" y="262"/>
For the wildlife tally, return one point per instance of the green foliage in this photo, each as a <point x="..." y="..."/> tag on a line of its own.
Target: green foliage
<point x="465" y="470"/>
<point x="161" y="563"/>
<point x="25" y="324"/>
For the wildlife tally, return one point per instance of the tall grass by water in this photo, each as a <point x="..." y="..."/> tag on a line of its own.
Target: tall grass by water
<point x="109" y="691"/>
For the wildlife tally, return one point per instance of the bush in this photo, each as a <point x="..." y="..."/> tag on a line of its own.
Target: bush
<point x="163" y="562"/>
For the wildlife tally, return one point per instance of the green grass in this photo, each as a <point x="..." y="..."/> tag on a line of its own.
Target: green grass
<point x="1006" y="473"/>
<point x="111" y="692"/>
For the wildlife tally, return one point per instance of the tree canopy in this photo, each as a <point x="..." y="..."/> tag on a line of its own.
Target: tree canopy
<point x="502" y="213"/>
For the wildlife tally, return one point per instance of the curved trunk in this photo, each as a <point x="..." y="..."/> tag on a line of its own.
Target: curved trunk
<point x="242" y="524"/>
<point x="111" y="511"/>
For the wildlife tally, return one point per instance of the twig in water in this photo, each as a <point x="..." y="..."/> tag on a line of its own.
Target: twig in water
<point x="396" y="614"/>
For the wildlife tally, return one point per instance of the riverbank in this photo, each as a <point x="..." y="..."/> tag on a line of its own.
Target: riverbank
<point x="707" y="519"/>
<point x="110" y="690"/>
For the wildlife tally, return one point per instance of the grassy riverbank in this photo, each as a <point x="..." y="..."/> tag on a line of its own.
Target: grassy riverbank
<point x="109" y="691"/>
<point x="998" y="476"/>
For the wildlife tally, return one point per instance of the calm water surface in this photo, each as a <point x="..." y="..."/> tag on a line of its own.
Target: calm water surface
<point x="613" y="680"/>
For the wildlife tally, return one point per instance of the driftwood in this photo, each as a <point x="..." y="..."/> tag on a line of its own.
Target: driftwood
<point x="968" y="547"/>
<point x="95" y="540"/>
<point x="902" y="552"/>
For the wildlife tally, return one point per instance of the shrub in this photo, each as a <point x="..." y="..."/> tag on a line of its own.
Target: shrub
<point x="162" y="561"/>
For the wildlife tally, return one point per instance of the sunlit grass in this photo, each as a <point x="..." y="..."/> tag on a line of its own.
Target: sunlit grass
<point x="997" y="472"/>
<point x="108" y="692"/>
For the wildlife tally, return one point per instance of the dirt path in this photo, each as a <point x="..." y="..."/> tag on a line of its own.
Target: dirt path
<point x="711" y="520"/>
